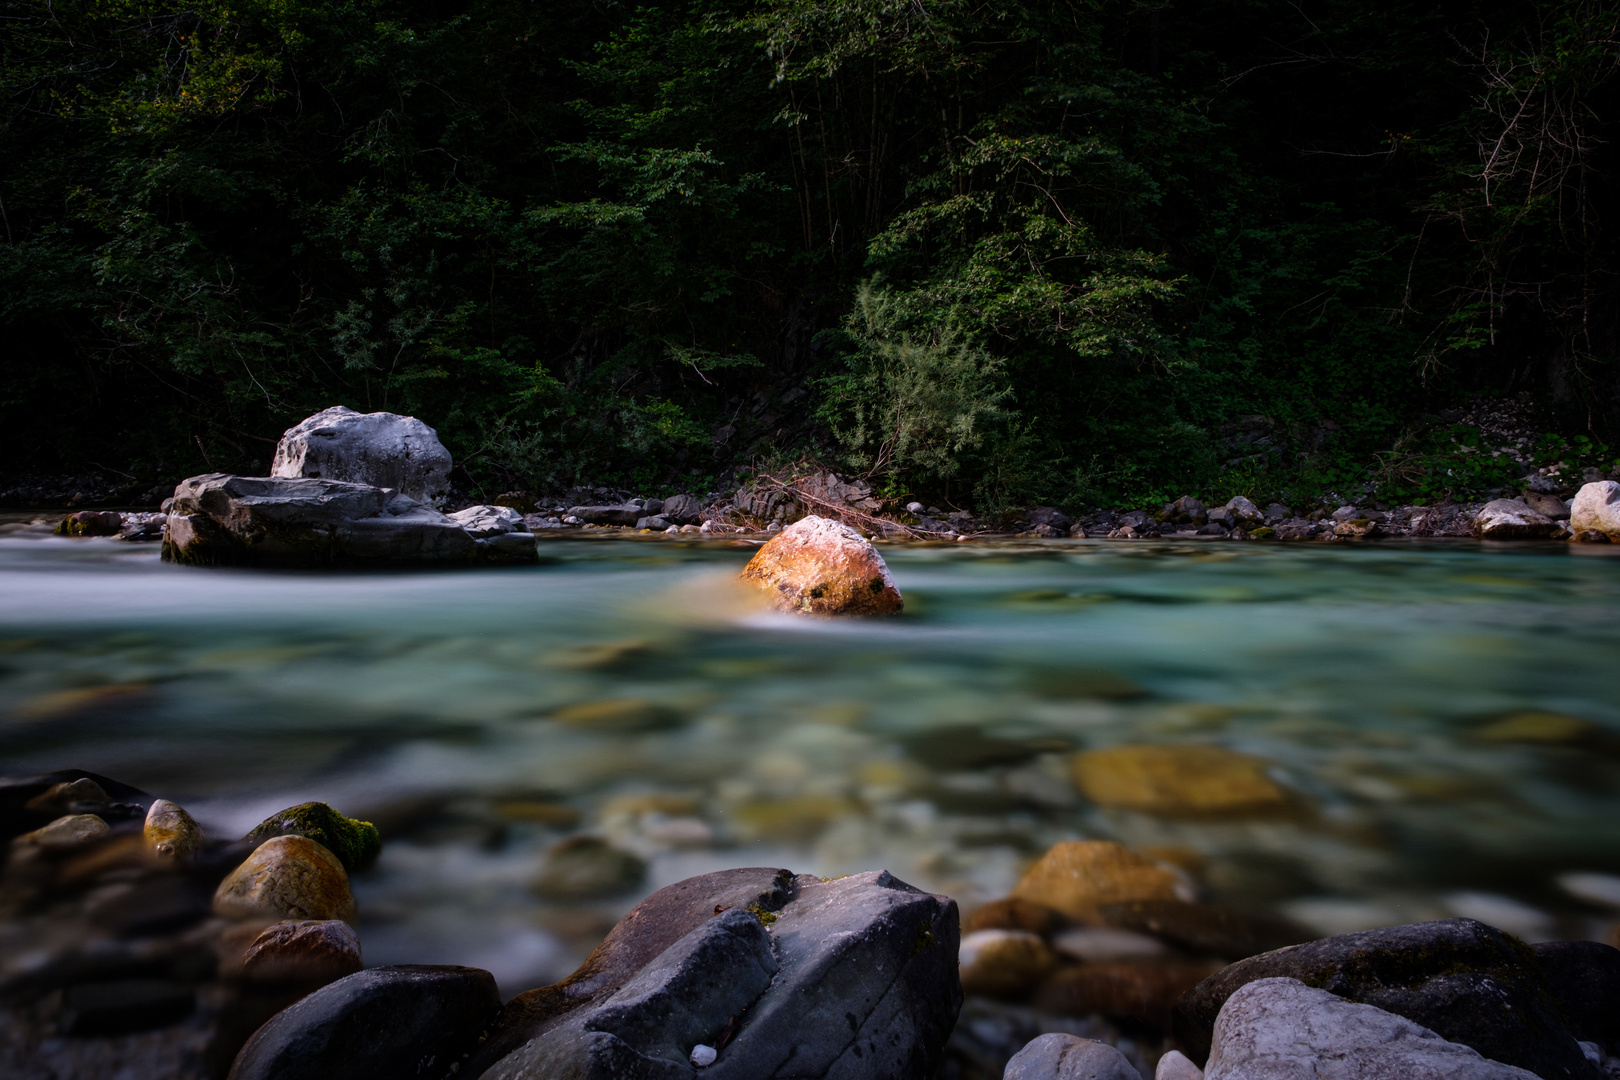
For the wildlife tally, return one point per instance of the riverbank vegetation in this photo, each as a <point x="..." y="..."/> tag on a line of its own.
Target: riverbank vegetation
<point x="1072" y="252"/>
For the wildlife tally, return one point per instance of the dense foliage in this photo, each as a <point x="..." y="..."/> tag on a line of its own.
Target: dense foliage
<point x="1072" y="250"/>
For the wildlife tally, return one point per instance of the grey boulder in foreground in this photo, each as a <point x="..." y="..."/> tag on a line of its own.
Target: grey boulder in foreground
<point x="780" y="975"/>
<point x="380" y="449"/>
<point x="1470" y="983"/>
<point x="1281" y="1029"/>
<point x="223" y="520"/>
<point x="1513" y="519"/>
<point x="382" y="1024"/>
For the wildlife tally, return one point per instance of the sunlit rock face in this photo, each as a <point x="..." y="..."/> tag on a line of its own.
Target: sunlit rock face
<point x="382" y="449"/>
<point x="1596" y="510"/>
<point x="817" y="566"/>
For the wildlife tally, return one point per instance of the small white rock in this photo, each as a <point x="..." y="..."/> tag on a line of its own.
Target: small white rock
<point x="914" y="508"/>
<point x="703" y="1056"/>
<point x="1177" y="1066"/>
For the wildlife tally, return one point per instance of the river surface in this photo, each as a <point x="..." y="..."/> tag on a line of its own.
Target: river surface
<point x="1445" y="716"/>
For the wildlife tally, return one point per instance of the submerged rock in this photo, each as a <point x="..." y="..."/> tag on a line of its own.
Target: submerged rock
<point x="586" y="867"/>
<point x="780" y="975"/>
<point x="218" y="519"/>
<point x="303" y="950"/>
<point x="1057" y="1056"/>
<point x="1178" y="780"/>
<point x="1004" y="963"/>
<point x="1281" y="1029"/>
<point x="1596" y="509"/>
<point x="382" y="1024"/>
<point x="91" y="523"/>
<point x="1511" y="519"/>
<point x="170" y="832"/>
<point x="69" y="831"/>
<point x="817" y="566"/>
<point x="287" y="877"/>
<point x="382" y="449"/>
<point x="1140" y="990"/>
<point x="1469" y="982"/>
<point x="1079" y="877"/>
<point x="354" y="842"/>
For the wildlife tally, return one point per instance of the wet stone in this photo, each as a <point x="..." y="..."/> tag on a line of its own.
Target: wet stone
<point x="1004" y="963"/>
<point x="1015" y="914"/>
<point x="820" y="567"/>
<point x="1205" y="929"/>
<point x="354" y="842"/>
<point x="170" y="832"/>
<point x="1079" y="877"/>
<point x="69" y="831"/>
<point x="297" y="950"/>
<point x="1141" y="990"/>
<point x="287" y="877"/>
<point x="381" y="1024"/>
<point x="1069" y="1057"/>
<point x="586" y="867"/>
<point x="1182" y="780"/>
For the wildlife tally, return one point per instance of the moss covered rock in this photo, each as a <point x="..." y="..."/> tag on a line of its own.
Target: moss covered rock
<point x="355" y="843"/>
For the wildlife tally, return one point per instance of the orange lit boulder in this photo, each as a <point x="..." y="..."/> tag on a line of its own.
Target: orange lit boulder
<point x="817" y="566"/>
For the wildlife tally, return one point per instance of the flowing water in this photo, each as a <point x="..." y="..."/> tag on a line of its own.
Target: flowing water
<point x="1444" y="716"/>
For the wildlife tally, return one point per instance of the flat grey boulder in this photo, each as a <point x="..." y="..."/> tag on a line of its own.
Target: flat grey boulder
<point x="682" y="509"/>
<point x="381" y="1024"/>
<point x="1512" y="519"/>
<point x="1281" y="1029"/>
<point x="1596" y="509"/>
<point x="623" y="514"/>
<point x="1057" y="1056"/>
<point x="382" y="449"/>
<point x="223" y="520"/>
<point x="1470" y="983"/>
<point x="850" y="979"/>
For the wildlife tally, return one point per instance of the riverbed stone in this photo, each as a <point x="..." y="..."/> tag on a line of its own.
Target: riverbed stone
<point x="381" y="1024"/>
<point x="380" y="449"/>
<point x="683" y="509"/>
<point x="1182" y="780"/>
<point x="1512" y="519"/>
<point x="817" y="566"/>
<point x="170" y="832"/>
<point x="1011" y="913"/>
<point x="287" y="877"/>
<point x="1244" y="511"/>
<point x="1143" y="990"/>
<point x="1281" y="1029"/>
<point x="81" y="796"/>
<point x="91" y="523"/>
<point x="1470" y="983"/>
<point x="1206" y="929"/>
<point x="68" y="831"/>
<point x="1175" y="1065"/>
<point x="587" y="867"/>
<point x="1079" y="877"/>
<point x="783" y="975"/>
<point x="1060" y="1056"/>
<point x="616" y="514"/>
<point x="219" y="519"/>
<point x="486" y="521"/>
<point x="1547" y="504"/>
<point x="1596" y="509"/>
<point x="302" y="951"/>
<point x="354" y="842"/>
<point x="1004" y="963"/>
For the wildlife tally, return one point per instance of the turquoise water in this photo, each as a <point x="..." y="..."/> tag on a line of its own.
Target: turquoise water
<point x="464" y="712"/>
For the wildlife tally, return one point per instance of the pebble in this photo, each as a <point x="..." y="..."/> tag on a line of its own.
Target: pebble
<point x="1059" y="1056"/>
<point x="587" y="867"/>
<point x="1177" y="1066"/>
<point x="1003" y="963"/>
<point x="303" y="950"/>
<point x="1078" y="877"/>
<point x="170" y="832"/>
<point x="1183" y="780"/>
<point x="703" y="1056"/>
<point x="65" y="832"/>
<point x="617" y="715"/>
<point x="287" y="877"/>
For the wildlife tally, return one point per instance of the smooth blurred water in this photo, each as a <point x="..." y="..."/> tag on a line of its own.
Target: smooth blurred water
<point x="935" y="744"/>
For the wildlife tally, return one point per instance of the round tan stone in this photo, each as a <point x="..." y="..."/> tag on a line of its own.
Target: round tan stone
<point x="287" y="877"/>
<point x="68" y="831"/>
<point x="1004" y="963"/>
<point x="817" y="566"/>
<point x="1191" y="781"/>
<point x="1078" y="877"/>
<point x="170" y="832"/>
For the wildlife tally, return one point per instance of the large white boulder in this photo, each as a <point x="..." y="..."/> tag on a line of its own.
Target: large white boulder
<point x="382" y="449"/>
<point x="1596" y="509"/>
<point x="1281" y="1029"/>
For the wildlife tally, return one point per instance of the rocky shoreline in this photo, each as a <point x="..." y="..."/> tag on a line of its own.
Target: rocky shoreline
<point x="157" y="949"/>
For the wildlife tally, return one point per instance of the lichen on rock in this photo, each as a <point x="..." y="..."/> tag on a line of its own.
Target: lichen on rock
<point x="354" y="842"/>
